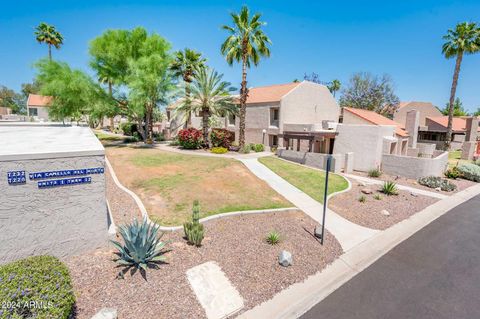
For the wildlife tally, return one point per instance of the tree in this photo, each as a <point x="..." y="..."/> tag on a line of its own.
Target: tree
<point x="477" y="112"/>
<point x="211" y="96"/>
<point x="369" y="92"/>
<point x="464" y="39"/>
<point x="45" y="33"/>
<point x="246" y="44"/>
<point x="74" y="93"/>
<point x="334" y="86"/>
<point x="185" y="65"/>
<point x="30" y="88"/>
<point x="458" y="109"/>
<point x="12" y="100"/>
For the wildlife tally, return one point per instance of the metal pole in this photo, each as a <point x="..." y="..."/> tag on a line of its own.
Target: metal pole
<point x="329" y="160"/>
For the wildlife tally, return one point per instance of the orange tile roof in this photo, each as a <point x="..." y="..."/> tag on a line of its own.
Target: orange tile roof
<point x="377" y="119"/>
<point x="271" y="93"/>
<point x="39" y="100"/>
<point x="459" y="124"/>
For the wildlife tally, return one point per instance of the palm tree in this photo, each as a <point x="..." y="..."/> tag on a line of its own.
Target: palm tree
<point x="464" y="39"/>
<point x="334" y="86"/>
<point x="210" y="96"/>
<point x="46" y="33"/>
<point x="246" y="43"/>
<point x="185" y="65"/>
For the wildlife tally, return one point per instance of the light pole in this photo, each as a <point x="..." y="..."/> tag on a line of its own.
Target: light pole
<point x="264" y="131"/>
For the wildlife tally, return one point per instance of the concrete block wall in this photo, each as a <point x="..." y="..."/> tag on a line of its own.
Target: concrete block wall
<point x="317" y="160"/>
<point x="58" y="221"/>
<point x="414" y="167"/>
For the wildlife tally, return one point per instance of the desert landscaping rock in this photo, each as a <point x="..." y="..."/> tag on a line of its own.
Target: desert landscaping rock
<point x="368" y="213"/>
<point x="235" y="243"/>
<point x="285" y="258"/>
<point x="385" y="212"/>
<point x="367" y="191"/>
<point x="106" y="313"/>
<point x="414" y="194"/>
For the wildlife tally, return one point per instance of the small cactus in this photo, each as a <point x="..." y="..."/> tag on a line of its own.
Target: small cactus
<point x="194" y="230"/>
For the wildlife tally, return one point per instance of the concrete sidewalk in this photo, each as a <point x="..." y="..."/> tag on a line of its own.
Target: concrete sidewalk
<point x="347" y="233"/>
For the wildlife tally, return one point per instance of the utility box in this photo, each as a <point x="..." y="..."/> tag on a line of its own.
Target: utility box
<point x="52" y="191"/>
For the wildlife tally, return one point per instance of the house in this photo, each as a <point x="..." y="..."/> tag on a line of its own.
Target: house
<point x="277" y="113"/>
<point x="425" y="109"/>
<point x="398" y="140"/>
<point x="5" y="111"/>
<point x="38" y="106"/>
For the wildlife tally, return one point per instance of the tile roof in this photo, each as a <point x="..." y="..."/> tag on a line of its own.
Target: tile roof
<point x="459" y="124"/>
<point x="376" y="119"/>
<point x="39" y="100"/>
<point x="271" y="93"/>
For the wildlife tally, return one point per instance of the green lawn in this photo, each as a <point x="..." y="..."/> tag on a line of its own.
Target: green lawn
<point x="454" y="159"/>
<point x="310" y="181"/>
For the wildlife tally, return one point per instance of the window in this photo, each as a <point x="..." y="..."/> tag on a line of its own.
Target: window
<point x="231" y="120"/>
<point x="168" y="116"/>
<point x="274" y="116"/>
<point x="274" y="140"/>
<point x="32" y="111"/>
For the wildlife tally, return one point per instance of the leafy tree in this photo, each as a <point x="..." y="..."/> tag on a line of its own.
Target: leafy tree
<point x="185" y="65"/>
<point x="30" y="88"/>
<point x="458" y="109"/>
<point x="75" y="93"/>
<point x="211" y="96"/>
<point x="11" y="99"/>
<point x="369" y="92"/>
<point x="334" y="86"/>
<point x="313" y="77"/>
<point x="477" y="112"/>
<point x="46" y="33"/>
<point x="464" y="39"/>
<point x="246" y="44"/>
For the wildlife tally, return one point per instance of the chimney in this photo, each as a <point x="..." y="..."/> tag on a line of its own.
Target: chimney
<point x="412" y="121"/>
<point x="471" y="127"/>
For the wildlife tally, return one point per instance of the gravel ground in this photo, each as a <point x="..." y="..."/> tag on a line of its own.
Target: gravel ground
<point x="369" y="214"/>
<point x="235" y="243"/>
<point x="461" y="183"/>
<point x="122" y="205"/>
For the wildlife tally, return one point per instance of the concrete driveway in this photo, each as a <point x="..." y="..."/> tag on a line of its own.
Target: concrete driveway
<point x="433" y="274"/>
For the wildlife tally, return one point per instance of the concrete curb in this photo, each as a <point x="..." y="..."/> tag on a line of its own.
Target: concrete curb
<point x="300" y="297"/>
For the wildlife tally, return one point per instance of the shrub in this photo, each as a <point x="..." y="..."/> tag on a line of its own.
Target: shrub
<point x="128" y="128"/>
<point x="377" y="197"/>
<point x="452" y="173"/>
<point x="374" y="172"/>
<point x="221" y="137"/>
<point x="272" y="238"/>
<point x="190" y="138"/>
<point x="42" y="280"/>
<point x="437" y="182"/>
<point x="389" y="188"/>
<point x="130" y="139"/>
<point x="194" y="229"/>
<point x="158" y="136"/>
<point x="142" y="246"/>
<point x="362" y="199"/>
<point x="259" y="148"/>
<point x="470" y="172"/>
<point x="219" y="150"/>
<point x="273" y="149"/>
<point x="245" y="149"/>
<point x="477" y="161"/>
<point x="174" y="142"/>
<point x="252" y="146"/>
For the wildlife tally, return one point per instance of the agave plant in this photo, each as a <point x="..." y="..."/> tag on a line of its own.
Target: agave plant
<point x="272" y="238"/>
<point x="389" y="188"/>
<point x="142" y="245"/>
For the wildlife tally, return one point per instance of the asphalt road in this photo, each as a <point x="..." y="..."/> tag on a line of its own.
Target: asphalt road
<point x="433" y="274"/>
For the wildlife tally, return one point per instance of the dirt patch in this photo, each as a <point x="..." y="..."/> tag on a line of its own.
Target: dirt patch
<point x="236" y="244"/>
<point x="461" y="183"/>
<point x="168" y="183"/>
<point x="369" y="212"/>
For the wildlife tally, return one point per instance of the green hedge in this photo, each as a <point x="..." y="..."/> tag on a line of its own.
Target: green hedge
<point x="36" y="287"/>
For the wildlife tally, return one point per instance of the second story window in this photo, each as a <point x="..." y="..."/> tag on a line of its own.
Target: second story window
<point x="231" y="120"/>
<point x="274" y="116"/>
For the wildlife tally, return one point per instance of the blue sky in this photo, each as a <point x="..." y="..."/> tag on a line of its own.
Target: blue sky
<point x="333" y="39"/>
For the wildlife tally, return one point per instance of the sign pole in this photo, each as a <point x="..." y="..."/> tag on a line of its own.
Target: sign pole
<point x="325" y="194"/>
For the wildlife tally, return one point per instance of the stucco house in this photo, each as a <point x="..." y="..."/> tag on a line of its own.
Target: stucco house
<point x="425" y="109"/>
<point x="38" y="106"/>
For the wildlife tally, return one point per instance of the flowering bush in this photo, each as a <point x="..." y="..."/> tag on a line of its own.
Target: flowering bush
<point x="36" y="287"/>
<point x="221" y="137"/>
<point x="190" y="138"/>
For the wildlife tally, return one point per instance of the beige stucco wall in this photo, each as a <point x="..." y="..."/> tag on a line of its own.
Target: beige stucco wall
<point x="414" y="167"/>
<point x="425" y="110"/>
<point x="42" y="113"/>
<point x="59" y="221"/>
<point x="308" y="103"/>
<point x="365" y="141"/>
<point x="350" y="118"/>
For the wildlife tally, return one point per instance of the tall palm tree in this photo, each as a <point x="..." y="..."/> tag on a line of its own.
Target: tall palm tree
<point x="464" y="39"/>
<point x="45" y="33"/>
<point x="185" y="65"/>
<point x="334" y="86"/>
<point x="246" y="44"/>
<point x="210" y="96"/>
